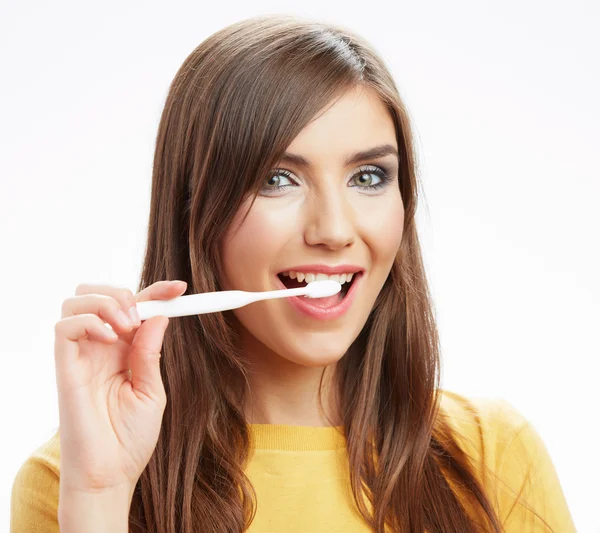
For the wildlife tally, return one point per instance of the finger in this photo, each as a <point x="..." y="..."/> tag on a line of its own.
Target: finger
<point x="162" y="290"/>
<point x="144" y="359"/>
<point x="123" y="295"/>
<point x="69" y="331"/>
<point x="75" y="328"/>
<point x="106" y="307"/>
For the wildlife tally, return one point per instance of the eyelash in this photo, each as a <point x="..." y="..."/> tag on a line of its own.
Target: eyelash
<point x="369" y="169"/>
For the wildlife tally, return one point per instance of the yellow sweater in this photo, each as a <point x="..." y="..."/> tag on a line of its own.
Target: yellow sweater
<point x="301" y="479"/>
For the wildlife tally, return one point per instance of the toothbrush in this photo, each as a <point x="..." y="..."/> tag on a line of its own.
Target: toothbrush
<point x="212" y="302"/>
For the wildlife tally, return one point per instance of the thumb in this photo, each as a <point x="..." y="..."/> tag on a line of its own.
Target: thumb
<point x="144" y="359"/>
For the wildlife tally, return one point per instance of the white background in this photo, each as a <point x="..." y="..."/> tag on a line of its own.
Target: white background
<point x="504" y="99"/>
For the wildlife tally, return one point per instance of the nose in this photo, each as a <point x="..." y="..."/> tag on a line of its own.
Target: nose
<point x="330" y="221"/>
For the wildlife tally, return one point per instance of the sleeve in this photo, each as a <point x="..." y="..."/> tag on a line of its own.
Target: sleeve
<point x="530" y="496"/>
<point x="34" y="499"/>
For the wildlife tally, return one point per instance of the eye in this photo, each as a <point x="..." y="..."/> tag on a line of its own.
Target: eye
<point x="367" y="179"/>
<point x="370" y="177"/>
<point x="279" y="179"/>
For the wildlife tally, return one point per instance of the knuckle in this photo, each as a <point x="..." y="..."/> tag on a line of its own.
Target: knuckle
<point x="80" y="289"/>
<point x="129" y="297"/>
<point x="61" y="328"/>
<point x="65" y="309"/>
<point x="114" y="306"/>
<point x="112" y="310"/>
<point x="126" y="298"/>
<point x="92" y="322"/>
<point x="96" y="320"/>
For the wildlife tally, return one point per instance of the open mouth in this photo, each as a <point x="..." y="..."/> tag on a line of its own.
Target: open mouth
<point x="329" y="307"/>
<point x="294" y="280"/>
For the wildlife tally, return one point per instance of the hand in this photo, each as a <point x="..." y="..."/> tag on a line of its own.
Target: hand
<point x="109" y="418"/>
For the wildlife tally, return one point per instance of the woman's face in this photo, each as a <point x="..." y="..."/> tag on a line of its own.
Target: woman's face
<point x="325" y="209"/>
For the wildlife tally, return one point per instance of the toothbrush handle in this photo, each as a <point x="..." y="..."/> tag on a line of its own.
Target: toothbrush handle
<point x="195" y="304"/>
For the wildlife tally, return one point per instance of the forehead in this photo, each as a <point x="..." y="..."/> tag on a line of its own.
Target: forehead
<point x="355" y="121"/>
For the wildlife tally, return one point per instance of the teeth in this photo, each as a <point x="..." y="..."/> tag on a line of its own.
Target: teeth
<point x="310" y="277"/>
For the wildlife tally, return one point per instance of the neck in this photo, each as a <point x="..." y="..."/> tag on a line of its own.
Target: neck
<point x="284" y="392"/>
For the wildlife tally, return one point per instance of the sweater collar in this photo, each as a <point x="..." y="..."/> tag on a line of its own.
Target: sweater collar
<point x="296" y="438"/>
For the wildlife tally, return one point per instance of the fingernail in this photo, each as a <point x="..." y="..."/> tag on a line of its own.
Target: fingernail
<point x="135" y="317"/>
<point x="173" y="282"/>
<point x="123" y="318"/>
<point x="110" y="333"/>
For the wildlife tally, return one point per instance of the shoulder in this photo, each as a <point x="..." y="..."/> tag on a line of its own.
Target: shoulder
<point x="512" y="460"/>
<point x="483" y="424"/>
<point x="34" y="499"/>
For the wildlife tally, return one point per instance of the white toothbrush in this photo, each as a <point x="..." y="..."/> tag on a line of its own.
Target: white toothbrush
<point x="212" y="302"/>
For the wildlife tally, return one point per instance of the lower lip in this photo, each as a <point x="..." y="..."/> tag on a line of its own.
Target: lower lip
<point x="305" y="306"/>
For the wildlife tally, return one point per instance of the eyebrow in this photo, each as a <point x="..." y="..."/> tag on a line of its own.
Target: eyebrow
<point x="371" y="153"/>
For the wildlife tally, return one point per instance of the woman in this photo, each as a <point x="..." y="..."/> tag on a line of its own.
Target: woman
<point x="284" y="152"/>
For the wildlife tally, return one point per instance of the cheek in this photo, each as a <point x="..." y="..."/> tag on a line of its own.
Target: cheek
<point x="250" y="249"/>
<point x="382" y="229"/>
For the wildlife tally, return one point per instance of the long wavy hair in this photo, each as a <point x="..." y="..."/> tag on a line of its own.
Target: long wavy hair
<point x="235" y="104"/>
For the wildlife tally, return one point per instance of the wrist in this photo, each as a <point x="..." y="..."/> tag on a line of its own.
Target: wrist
<point x="95" y="511"/>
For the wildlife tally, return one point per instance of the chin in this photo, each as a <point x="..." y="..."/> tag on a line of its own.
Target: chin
<point x="276" y="337"/>
<point x="320" y="355"/>
<point x="312" y="362"/>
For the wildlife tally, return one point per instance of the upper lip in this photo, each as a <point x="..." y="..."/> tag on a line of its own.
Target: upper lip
<point x="324" y="269"/>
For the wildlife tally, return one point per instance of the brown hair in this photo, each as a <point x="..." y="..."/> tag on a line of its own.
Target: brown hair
<point x="236" y="103"/>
